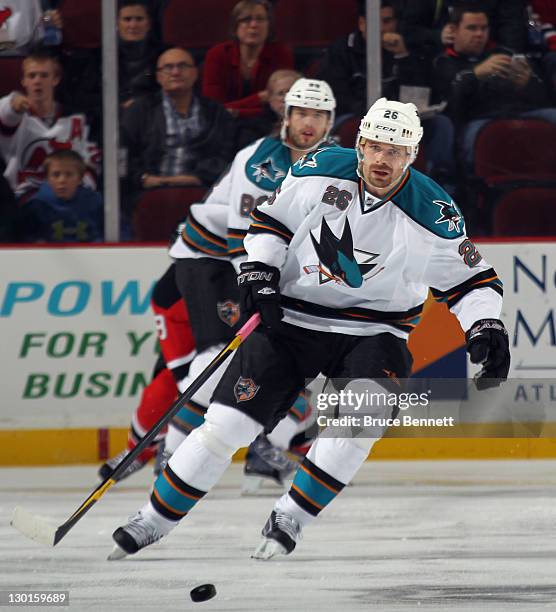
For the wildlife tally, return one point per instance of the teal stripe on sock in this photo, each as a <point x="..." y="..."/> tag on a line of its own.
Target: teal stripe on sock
<point x="188" y="416"/>
<point x="313" y="489"/>
<point x="173" y="498"/>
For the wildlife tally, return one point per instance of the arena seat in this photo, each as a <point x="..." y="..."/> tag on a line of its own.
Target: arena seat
<point x="345" y="132"/>
<point x="10" y="69"/>
<point x="527" y="211"/>
<point x="310" y="23"/>
<point x="516" y="149"/>
<point x="82" y="24"/>
<point x="202" y="26"/>
<point x="159" y="211"/>
<point x="510" y="154"/>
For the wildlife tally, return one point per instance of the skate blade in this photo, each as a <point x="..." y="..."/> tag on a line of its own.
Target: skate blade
<point x="253" y="485"/>
<point x="267" y="549"/>
<point x="33" y="527"/>
<point x="116" y="554"/>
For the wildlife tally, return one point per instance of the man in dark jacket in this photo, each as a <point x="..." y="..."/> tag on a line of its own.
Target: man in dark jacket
<point x="481" y="84"/>
<point x="426" y="24"/>
<point x="345" y="63"/>
<point x="175" y="137"/>
<point x="345" y="69"/>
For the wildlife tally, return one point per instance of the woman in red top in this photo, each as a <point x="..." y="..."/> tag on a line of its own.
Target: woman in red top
<point x="235" y="73"/>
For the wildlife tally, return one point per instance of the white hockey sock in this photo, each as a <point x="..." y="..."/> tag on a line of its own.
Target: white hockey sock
<point x="341" y="458"/>
<point x="282" y="434"/>
<point x="330" y="464"/>
<point x="162" y="523"/>
<point x="204" y="455"/>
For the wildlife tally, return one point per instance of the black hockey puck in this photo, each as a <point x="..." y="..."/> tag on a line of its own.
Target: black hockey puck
<point x="203" y="592"/>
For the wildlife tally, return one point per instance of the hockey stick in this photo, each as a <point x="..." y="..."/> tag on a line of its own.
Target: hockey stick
<point x="36" y="528"/>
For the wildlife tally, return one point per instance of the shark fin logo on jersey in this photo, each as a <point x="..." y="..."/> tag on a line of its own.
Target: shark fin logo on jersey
<point x="309" y="160"/>
<point x="340" y="262"/>
<point x="245" y="389"/>
<point x="228" y="312"/>
<point x="267" y="170"/>
<point x="450" y="214"/>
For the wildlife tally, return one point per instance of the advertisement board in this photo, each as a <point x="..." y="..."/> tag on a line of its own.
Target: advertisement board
<point x="78" y="339"/>
<point x="79" y="343"/>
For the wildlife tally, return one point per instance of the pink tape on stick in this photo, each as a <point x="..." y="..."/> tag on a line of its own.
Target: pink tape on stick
<point x="249" y="326"/>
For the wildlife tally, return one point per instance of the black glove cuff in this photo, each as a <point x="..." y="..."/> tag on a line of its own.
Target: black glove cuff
<point x="481" y="326"/>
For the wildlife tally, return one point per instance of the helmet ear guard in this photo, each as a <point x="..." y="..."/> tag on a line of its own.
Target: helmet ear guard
<point x="391" y="122"/>
<point x="313" y="94"/>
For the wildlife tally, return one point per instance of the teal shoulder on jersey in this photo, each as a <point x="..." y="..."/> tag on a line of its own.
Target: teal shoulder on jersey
<point x="430" y="206"/>
<point x="268" y="165"/>
<point x="420" y="198"/>
<point x="332" y="161"/>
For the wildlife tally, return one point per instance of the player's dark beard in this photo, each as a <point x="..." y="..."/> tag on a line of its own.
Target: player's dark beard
<point x="301" y="145"/>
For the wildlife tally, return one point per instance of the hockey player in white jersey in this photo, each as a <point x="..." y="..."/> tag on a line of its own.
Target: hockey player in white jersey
<point x="213" y="236"/>
<point x="339" y="264"/>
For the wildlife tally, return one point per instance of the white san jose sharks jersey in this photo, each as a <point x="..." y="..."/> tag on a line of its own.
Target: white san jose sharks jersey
<point x="217" y="227"/>
<point x="358" y="267"/>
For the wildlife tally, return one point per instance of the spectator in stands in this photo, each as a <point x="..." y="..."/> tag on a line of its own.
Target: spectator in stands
<point x="33" y="124"/>
<point x="176" y="137"/>
<point x="345" y="63"/>
<point x="345" y="68"/>
<point x="63" y="210"/>
<point x="482" y="84"/>
<point x="278" y="85"/>
<point x="137" y="52"/>
<point x="235" y="73"/>
<point x="137" y="55"/>
<point x="427" y="26"/>
<point x="23" y="26"/>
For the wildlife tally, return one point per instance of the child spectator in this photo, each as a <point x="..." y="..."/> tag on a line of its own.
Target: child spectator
<point x="63" y="210"/>
<point x="236" y="72"/>
<point x="34" y="124"/>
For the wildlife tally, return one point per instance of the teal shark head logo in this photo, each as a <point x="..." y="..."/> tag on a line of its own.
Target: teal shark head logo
<point x="268" y="170"/>
<point x="337" y="257"/>
<point x="450" y="214"/>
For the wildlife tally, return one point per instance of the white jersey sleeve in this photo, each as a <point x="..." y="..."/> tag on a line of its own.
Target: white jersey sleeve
<point x="459" y="277"/>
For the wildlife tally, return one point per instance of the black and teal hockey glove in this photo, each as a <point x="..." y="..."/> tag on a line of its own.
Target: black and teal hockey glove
<point x="487" y="344"/>
<point x="259" y="291"/>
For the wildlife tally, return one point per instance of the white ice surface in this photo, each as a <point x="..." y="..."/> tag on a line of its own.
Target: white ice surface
<point x="407" y="536"/>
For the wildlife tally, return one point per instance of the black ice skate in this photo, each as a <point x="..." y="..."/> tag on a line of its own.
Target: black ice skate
<point x="280" y="535"/>
<point x="138" y="533"/>
<point x="106" y="469"/>
<point x="265" y="462"/>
